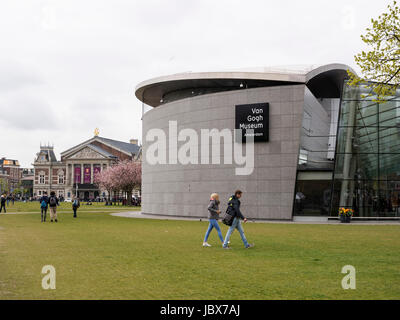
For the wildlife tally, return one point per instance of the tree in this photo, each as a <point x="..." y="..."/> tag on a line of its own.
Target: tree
<point x="104" y="181"/>
<point x="124" y="176"/>
<point x="4" y="187"/>
<point x="380" y="66"/>
<point x="127" y="176"/>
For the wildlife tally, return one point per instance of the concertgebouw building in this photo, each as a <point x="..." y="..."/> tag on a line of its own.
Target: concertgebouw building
<point x="320" y="144"/>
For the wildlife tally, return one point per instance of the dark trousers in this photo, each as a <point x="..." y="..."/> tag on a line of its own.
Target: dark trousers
<point x="44" y="213"/>
<point x="74" y="208"/>
<point x="3" y="205"/>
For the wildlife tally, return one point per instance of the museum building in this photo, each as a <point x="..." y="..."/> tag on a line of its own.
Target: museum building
<point x="319" y="144"/>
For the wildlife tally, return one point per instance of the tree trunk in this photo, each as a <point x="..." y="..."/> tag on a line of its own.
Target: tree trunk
<point x="129" y="198"/>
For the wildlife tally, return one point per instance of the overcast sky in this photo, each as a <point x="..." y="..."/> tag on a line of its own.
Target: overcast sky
<point x="69" y="66"/>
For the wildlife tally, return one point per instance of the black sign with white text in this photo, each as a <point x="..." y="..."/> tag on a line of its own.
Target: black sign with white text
<point x="253" y="116"/>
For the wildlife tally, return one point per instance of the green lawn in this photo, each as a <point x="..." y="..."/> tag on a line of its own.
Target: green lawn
<point x="65" y="206"/>
<point x="99" y="256"/>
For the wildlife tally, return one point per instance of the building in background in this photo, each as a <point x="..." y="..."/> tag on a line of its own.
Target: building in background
<point x="28" y="175"/>
<point x="11" y="174"/>
<point x="75" y="172"/>
<point x="323" y="145"/>
<point x="49" y="173"/>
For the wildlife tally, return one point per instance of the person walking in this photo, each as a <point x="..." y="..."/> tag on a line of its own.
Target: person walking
<point x="3" y="201"/>
<point x="44" y="204"/>
<point x="53" y="203"/>
<point x="75" y="205"/>
<point x="213" y="215"/>
<point x="234" y="210"/>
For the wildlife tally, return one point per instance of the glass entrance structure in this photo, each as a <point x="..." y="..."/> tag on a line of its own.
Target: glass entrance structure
<point x="354" y="162"/>
<point x="367" y="159"/>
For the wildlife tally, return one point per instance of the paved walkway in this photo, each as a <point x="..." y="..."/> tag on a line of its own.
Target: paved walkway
<point x="140" y="215"/>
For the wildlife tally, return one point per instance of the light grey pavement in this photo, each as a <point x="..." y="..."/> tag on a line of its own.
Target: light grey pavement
<point x="140" y="215"/>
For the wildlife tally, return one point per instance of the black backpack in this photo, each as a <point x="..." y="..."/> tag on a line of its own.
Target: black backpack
<point x="53" y="201"/>
<point x="229" y="215"/>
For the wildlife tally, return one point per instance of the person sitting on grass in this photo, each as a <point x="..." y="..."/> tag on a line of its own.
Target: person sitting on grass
<point x="44" y="204"/>
<point x="213" y="215"/>
<point x="75" y="205"/>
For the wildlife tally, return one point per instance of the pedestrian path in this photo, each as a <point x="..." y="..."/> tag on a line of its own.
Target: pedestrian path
<point x="140" y="215"/>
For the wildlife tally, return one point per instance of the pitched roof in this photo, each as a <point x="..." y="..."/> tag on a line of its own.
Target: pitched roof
<point x="52" y="155"/>
<point x="127" y="147"/>
<point x="101" y="151"/>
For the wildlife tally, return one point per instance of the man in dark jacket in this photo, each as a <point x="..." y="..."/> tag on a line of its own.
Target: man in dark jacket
<point x="44" y="204"/>
<point x="3" y="201"/>
<point x="234" y="210"/>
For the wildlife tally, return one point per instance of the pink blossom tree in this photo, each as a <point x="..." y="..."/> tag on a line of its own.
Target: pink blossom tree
<point x="125" y="176"/>
<point x="104" y="181"/>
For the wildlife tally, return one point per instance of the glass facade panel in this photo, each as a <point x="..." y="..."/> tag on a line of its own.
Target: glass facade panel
<point x="367" y="113"/>
<point x="389" y="166"/>
<point x="367" y="160"/>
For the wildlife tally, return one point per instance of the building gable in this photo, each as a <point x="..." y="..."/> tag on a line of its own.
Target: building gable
<point x="87" y="153"/>
<point x="108" y="147"/>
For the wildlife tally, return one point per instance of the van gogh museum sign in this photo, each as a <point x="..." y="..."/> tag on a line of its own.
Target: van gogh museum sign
<point x="255" y="117"/>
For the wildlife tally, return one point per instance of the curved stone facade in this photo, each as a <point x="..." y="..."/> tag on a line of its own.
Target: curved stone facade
<point x="184" y="190"/>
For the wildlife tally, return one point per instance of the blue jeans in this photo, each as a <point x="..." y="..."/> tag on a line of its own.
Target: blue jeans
<point x="236" y="224"/>
<point x="213" y="224"/>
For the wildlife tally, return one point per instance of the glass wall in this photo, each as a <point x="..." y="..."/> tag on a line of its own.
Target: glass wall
<point x="367" y="162"/>
<point x="316" y="156"/>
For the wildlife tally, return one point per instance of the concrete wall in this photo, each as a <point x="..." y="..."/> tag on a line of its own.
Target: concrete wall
<point x="184" y="190"/>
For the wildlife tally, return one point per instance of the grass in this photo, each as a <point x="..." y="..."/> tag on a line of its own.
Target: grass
<point x="99" y="256"/>
<point x="34" y="206"/>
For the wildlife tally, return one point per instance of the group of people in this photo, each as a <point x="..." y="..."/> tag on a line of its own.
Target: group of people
<point x="214" y="211"/>
<point x="233" y="210"/>
<point x="51" y="203"/>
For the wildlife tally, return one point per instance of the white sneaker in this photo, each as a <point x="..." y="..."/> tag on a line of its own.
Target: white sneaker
<point x="206" y="244"/>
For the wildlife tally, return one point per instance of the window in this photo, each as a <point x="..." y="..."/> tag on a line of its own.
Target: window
<point x="41" y="179"/>
<point x="61" y="179"/>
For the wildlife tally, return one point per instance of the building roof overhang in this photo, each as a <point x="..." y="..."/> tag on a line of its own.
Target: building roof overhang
<point x="153" y="91"/>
